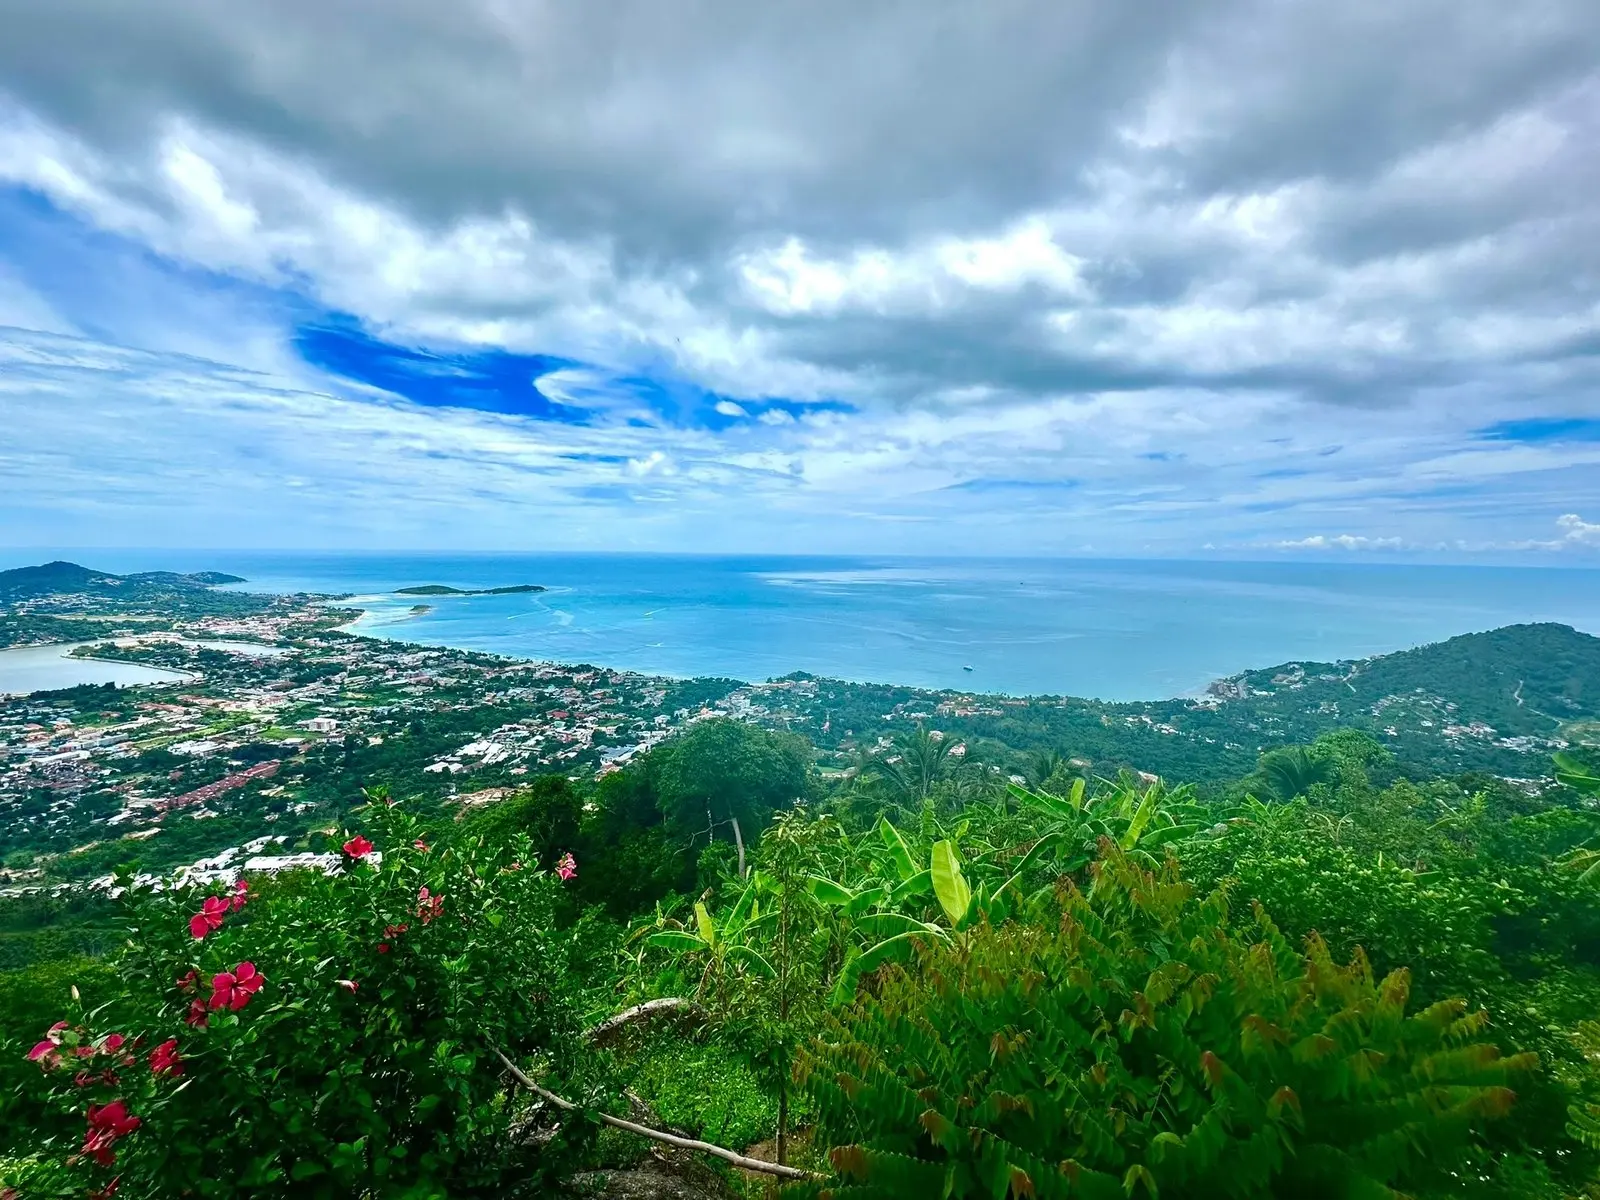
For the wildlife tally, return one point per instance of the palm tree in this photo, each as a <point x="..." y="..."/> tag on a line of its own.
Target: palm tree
<point x="918" y="763"/>
<point x="1045" y="764"/>
<point x="1294" y="771"/>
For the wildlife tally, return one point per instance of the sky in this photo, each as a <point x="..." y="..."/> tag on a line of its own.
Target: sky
<point x="1247" y="278"/>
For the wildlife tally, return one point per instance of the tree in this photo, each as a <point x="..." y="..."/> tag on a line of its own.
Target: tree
<point x="547" y="812"/>
<point x="726" y="772"/>
<point x="920" y="762"/>
<point x="1293" y="771"/>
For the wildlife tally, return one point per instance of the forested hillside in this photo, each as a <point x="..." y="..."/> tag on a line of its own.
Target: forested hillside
<point x="1322" y="978"/>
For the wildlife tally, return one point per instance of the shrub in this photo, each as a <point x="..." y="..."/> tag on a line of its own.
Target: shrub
<point x="327" y="1035"/>
<point x="1137" y="1041"/>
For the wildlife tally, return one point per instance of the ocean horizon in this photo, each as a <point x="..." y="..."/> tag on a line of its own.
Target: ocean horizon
<point x="1111" y="629"/>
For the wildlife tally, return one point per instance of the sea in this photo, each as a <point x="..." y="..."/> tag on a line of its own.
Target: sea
<point x="1108" y="629"/>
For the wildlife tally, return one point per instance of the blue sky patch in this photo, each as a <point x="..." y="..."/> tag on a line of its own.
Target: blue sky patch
<point x="1543" y="429"/>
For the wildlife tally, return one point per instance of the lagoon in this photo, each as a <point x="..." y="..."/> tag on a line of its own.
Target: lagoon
<point x="25" y="669"/>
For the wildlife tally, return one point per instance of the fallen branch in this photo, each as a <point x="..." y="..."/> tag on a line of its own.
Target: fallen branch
<point x="643" y="1012"/>
<point x="739" y="1160"/>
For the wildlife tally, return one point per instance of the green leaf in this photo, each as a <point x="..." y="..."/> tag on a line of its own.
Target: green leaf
<point x="898" y="850"/>
<point x="865" y="899"/>
<point x="702" y="920"/>
<point x="829" y="892"/>
<point x="1045" y="844"/>
<point x="676" y="939"/>
<point x="918" y="884"/>
<point x="747" y="955"/>
<point x="949" y="885"/>
<point x="1141" y="818"/>
<point x="897" y="948"/>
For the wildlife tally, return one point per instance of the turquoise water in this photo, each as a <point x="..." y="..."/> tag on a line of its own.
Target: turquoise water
<point x="1119" y="630"/>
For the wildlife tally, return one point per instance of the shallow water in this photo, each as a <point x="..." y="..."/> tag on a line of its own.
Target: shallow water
<point x="26" y="669"/>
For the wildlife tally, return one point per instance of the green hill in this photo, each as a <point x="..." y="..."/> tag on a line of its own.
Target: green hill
<point x="67" y="579"/>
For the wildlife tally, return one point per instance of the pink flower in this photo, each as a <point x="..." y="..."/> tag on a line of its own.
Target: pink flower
<point x="233" y="989"/>
<point x="419" y="844"/>
<point x="241" y="893"/>
<point x="428" y="906"/>
<point x="107" y="1123"/>
<point x="348" y="985"/>
<point x="209" y="917"/>
<point x="383" y="947"/>
<point x="112" y="1044"/>
<point x="197" y="1015"/>
<point x="567" y="868"/>
<point x="358" y="847"/>
<point x="164" y="1059"/>
<point x="188" y="981"/>
<point x="47" y="1054"/>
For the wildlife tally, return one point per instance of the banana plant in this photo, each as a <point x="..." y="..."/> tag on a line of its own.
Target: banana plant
<point x="725" y="945"/>
<point x="1138" y="820"/>
<point x="881" y="909"/>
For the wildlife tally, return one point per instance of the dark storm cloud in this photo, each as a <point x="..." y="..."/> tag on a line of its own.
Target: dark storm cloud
<point x="1349" y="201"/>
<point x="671" y="127"/>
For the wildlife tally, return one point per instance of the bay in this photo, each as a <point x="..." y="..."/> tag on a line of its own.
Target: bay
<point x="1110" y="629"/>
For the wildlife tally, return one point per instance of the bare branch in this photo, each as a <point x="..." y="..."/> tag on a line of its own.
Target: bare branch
<point x="641" y="1013"/>
<point x="739" y="1160"/>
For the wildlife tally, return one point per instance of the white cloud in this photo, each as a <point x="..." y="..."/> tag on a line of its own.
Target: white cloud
<point x="1574" y="529"/>
<point x="1342" y="541"/>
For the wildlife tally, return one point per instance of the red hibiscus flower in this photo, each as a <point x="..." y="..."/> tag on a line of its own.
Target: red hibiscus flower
<point x="46" y="1054"/>
<point x="197" y="1016"/>
<point x="164" y="1059"/>
<point x="233" y="989"/>
<point x="209" y="917"/>
<point x="188" y="981"/>
<point x="358" y="847"/>
<point x="107" y="1123"/>
<point x="241" y="893"/>
<point x="567" y="868"/>
<point x="113" y="1043"/>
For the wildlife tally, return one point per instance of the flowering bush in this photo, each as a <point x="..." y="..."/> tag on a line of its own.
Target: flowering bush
<point x="319" y="1034"/>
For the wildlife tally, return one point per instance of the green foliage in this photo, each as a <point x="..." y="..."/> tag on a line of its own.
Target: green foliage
<point x="706" y="1087"/>
<point x="1137" y="1041"/>
<point x="547" y="812"/>
<point x="1293" y="771"/>
<point x="362" y="1063"/>
<point x="723" y="770"/>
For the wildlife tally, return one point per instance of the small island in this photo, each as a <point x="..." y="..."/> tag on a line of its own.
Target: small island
<point x="439" y="589"/>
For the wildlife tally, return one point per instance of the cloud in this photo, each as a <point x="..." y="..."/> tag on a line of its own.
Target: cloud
<point x="1343" y="541"/>
<point x="1163" y="274"/>
<point x="1574" y="529"/>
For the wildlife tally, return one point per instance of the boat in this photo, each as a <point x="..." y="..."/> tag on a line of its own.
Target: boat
<point x="966" y="668"/>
